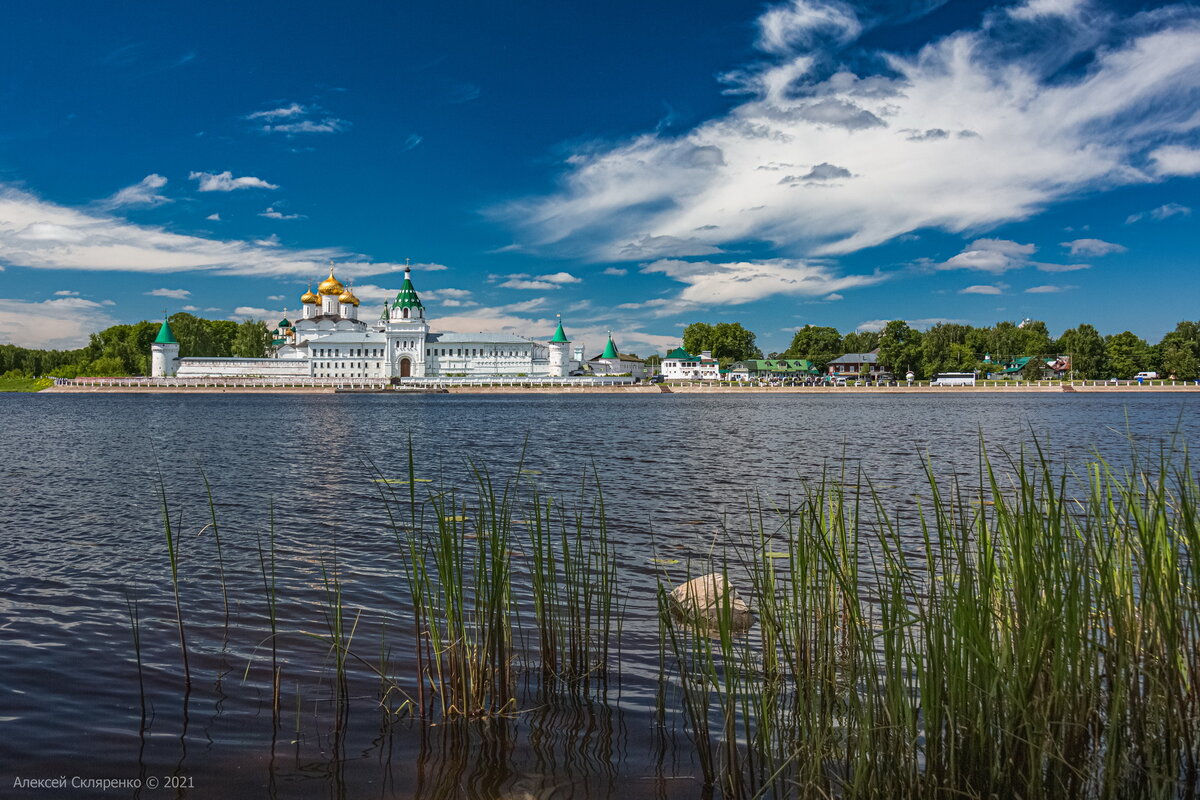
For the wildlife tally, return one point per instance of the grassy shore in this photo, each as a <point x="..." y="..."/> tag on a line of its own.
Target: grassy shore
<point x="25" y="384"/>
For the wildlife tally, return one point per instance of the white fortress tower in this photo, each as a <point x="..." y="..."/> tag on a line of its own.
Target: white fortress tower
<point x="558" y="352"/>
<point x="164" y="353"/>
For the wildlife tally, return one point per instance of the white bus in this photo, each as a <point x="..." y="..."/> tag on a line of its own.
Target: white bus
<point x="953" y="379"/>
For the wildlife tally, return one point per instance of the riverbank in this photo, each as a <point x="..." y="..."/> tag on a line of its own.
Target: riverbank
<point x="957" y="391"/>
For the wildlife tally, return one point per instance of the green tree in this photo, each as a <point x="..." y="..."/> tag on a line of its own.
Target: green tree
<point x="105" y="367"/>
<point x="818" y="344"/>
<point x="194" y="336"/>
<point x="728" y="341"/>
<point x="252" y="340"/>
<point x="1089" y="359"/>
<point x="1034" y="368"/>
<point x="900" y="348"/>
<point x="944" y="349"/>
<point x="1036" y="340"/>
<point x="1179" y="361"/>
<point x="1179" y="351"/>
<point x="860" y="341"/>
<point x="1128" y="354"/>
<point x="697" y="337"/>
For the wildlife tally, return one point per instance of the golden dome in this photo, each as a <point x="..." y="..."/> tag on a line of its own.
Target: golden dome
<point x="331" y="285"/>
<point x="348" y="297"/>
<point x="309" y="297"/>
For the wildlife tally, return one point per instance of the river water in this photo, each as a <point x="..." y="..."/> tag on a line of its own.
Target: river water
<point x="84" y="551"/>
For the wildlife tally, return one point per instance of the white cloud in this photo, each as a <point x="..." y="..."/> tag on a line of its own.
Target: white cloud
<point x="1001" y="255"/>
<point x="271" y="213"/>
<point x="740" y="282"/>
<point x="326" y="125"/>
<point x="275" y="297"/>
<point x="1176" y="160"/>
<point x="519" y="283"/>
<point x="190" y="309"/>
<point x="283" y="112"/>
<point x="412" y="141"/>
<point x="41" y="235"/>
<point x="1160" y="213"/>
<point x="1047" y="289"/>
<point x="1093" y="247"/>
<point x="618" y="271"/>
<point x="66" y="293"/>
<point x="834" y="297"/>
<point x="521" y="280"/>
<point x="60" y="324"/>
<point x="983" y="289"/>
<point x="242" y="312"/>
<point x="798" y="23"/>
<point x="1034" y="9"/>
<point x="175" y="294"/>
<point x="1023" y="128"/>
<point x="215" y="217"/>
<point x="225" y="182"/>
<point x="143" y="193"/>
<point x="295" y="118"/>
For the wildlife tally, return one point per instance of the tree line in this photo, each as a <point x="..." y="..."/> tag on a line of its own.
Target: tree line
<point x="951" y="347"/>
<point x="125" y="349"/>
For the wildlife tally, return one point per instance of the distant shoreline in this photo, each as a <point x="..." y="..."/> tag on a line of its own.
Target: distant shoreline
<point x="649" y="389"/>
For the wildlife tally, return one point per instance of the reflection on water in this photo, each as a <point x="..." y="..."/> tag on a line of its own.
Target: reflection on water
<point x="83" y="539"/>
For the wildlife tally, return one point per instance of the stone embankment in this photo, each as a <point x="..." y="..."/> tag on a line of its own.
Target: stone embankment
<point x="1047" y="387"/>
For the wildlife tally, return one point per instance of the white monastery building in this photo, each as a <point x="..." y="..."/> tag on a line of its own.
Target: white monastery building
<point x="330" y="341"/>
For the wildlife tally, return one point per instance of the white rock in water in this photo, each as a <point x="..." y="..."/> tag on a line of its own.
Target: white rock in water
<point x="703" y="599"/>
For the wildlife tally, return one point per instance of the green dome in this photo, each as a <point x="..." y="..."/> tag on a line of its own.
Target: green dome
<point x="165" y="336"/>
<point x="560" y="336"/>
<point x="284" y="323"/>
<point x="610" y="351"/>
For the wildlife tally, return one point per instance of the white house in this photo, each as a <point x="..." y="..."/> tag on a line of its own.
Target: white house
<point x="679" y="364"/>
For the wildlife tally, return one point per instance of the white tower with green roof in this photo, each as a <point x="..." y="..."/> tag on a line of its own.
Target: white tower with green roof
<point x="558" y="352"/>
<point x="406" y="331"/>
<point x="164" y="353"/>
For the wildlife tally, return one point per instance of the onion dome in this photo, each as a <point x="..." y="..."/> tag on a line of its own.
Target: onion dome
<point x="348" y="297"/>
<point x="309" y="297"/>
<point x="331" y="285"/>
<point x="284" y="324"/>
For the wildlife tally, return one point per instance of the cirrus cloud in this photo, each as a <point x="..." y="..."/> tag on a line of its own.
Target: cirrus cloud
<point x="966" y="133"/>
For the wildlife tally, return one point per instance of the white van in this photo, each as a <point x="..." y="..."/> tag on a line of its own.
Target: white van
<point x="1146" y="376"/>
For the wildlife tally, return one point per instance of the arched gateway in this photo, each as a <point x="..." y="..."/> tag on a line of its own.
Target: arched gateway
<point x="406" y="367"/>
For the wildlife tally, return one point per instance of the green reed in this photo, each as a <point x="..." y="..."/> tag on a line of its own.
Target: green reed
<point x="1038" y="637"/>
<point x="573" y="578"/>
<point x="172" y="536"/>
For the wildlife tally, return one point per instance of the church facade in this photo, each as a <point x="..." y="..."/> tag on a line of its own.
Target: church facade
<point x="330" y="341"/>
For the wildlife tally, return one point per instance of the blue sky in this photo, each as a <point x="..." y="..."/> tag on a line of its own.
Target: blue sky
<point x="632" y="166"/>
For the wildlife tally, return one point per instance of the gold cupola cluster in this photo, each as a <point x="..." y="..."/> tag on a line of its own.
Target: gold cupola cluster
<point x="331" y="285"/>
<point x="348" y="297"/>
<point x="310" y="297"/>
